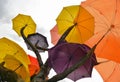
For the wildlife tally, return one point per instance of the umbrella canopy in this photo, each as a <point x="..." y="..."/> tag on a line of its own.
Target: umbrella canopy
<point x="107" y="24"/>
<point x="38" y="40"/>
<point x="9" y="47"/>
<point x="64" y="55"/>
<point x="109" y="71"/>
<point x="7" y="75"/>
<point x="81" y="18"/>
<point x="18" y="66"/>
<point x="33" y="66"/>
<point x="22" y="20"/>
<point x="55" y="36"/>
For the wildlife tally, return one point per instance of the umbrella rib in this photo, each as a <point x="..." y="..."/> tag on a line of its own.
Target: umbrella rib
<point x="65" y="20"/>
<point x="99" y="17"/>
<point x="111" y="73"/>
<point x="68" y="71"/>
<point x="72" y="55"/>
<point x="69" y="13"/>
<point x="67" y="47"/>
<point x="87" y="67"/>
<point x="18" y="67"/>
<point x="114" y="13"/>
<point x="72" y="33"/>
<point x="91" y="18"/>
<point x="23" y="19"/>
<point x="86" y="29"/>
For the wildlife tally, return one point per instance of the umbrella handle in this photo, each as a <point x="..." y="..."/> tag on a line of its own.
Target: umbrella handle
<point x="62" y="38"/>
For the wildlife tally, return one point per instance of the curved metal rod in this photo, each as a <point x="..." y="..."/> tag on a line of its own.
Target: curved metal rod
<point x="33" y="47"/>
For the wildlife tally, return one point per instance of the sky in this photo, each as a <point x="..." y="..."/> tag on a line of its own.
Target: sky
<point x="44" y="13"/>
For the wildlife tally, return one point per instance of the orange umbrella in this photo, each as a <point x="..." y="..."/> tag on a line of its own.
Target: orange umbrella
<point x="54" y="35"/>
<point x="33" y="66"/>
<point x="109" y="71"/>
<point x="107" y="24"/>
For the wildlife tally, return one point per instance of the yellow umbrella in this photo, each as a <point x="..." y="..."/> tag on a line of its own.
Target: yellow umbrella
<point x="24" y="20"/>
<point x="20" y="67"/>
<point x="8" y="47"/>
<point x="7" y="75"/>
<point x="81" y="18"/>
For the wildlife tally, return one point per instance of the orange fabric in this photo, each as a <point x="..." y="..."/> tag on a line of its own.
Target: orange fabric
<point x="106" y="17"/>
<point x="109" y="70"/>
<point x="34" y="66"/>
<point x="54" y="35"/>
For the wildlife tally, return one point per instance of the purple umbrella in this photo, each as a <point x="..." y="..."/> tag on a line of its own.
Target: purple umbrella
<point x="64" y="55"/>
<point x="38" y="40"/>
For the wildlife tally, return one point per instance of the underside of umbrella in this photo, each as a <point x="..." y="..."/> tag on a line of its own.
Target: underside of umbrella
<point x="64" y="55"/>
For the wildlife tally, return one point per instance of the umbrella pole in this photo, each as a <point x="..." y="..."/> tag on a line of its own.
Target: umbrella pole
<point x="62" y="38"/>
<point x="42" y="72"/>
<point x="34" y="49"/>
<point x="103" y="36"/>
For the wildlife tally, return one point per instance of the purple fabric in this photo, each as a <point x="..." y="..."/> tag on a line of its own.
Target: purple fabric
<point x="64" y="55"/>
<point x="39" y="39"/>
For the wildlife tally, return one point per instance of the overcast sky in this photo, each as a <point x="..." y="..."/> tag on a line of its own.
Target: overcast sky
<point x="44" y="13"/>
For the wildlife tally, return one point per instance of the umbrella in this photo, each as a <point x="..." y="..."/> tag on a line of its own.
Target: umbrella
<point x="9" y="47"/>
<point x="106" y="24"/>
<point x="64" y="55"/>
<point x="37" y="40"/>
<point x="82" y="20"/>
<point x="7" y="75"/>
<point x="109" y="71"/>
<point x="22" y="20"/>
<point x="33" y="66"/>
<point x="55" y="36"/>
<point x="18" y="66"/>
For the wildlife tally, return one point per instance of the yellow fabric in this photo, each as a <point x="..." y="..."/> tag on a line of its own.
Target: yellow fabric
<point x="12" y="63"/>
<point x="20" y="21"/>
<point x="9" y="47"/>
<point x="85" y="23"/>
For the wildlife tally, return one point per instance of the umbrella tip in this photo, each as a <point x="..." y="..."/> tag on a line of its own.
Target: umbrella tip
<point x="25" y="25"/>
<point x="75" y="24"/>
<point x="112" y="26"/>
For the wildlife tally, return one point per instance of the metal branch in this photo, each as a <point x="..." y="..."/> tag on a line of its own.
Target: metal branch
<point x="62" y="38"/>
<point x="33" y="47"/>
